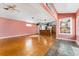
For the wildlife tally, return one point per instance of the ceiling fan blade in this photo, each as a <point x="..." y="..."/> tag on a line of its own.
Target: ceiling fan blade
<point x="14" y="6"/>
<point x="6" y="8"/>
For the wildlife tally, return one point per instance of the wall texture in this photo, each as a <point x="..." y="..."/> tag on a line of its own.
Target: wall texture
<point x="10" y="27"/>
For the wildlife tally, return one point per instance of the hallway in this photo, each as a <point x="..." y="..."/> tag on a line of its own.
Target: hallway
<point x="39" y="29"/>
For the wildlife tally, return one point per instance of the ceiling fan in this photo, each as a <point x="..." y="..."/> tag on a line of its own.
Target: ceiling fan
<point x="10" y="7"/>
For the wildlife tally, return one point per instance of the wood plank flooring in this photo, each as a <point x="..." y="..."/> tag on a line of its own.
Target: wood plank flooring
<point x="32" y="45"/>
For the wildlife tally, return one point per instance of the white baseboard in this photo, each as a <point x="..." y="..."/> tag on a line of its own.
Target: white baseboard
<point x="65" y="39"/>
<point x="15" y="36"/>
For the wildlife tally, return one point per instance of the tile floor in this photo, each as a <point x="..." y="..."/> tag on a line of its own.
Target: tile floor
<point x="64" y="48"/>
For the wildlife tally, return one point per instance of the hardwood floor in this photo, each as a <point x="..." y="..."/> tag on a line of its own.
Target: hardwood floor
<point x="32" y="45"/>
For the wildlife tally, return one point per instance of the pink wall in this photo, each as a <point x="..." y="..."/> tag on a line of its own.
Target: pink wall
<point x="10" y="27"/>
<point x="77" y="27"/>
<point x="64" y="15"/>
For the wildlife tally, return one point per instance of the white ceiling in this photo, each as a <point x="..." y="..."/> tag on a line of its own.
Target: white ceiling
<point x="26" y="12"/>
<point x="29" y="10"/>
<point x="66" y="7"/>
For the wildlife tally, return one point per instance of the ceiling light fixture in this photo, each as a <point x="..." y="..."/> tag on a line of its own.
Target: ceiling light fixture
<point x="45" y="19"/>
